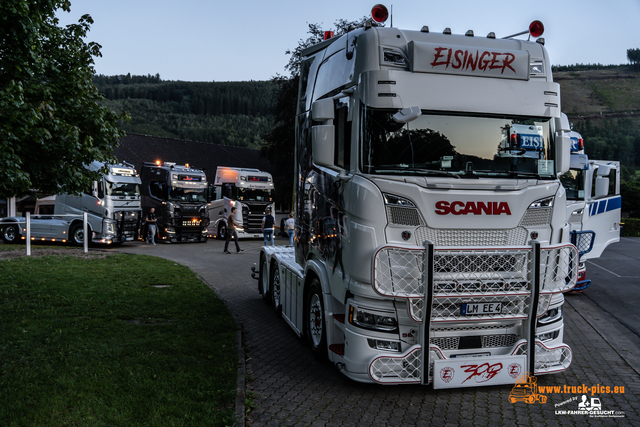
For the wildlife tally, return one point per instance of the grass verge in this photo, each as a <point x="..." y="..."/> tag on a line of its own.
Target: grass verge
<point x="120" y="341"/>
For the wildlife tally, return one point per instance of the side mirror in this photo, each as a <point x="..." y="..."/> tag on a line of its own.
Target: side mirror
<point x="563" y="144"/>
<point x="323" y="136"/>
<point x="322" y="110"/>
<point x="323" y="142"/>
<point x="602" y="186"/>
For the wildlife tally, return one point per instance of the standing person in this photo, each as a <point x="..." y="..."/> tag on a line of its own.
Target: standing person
<point x="231" y="231"/>
<point x="267" y="228"/>
<point x="151" y="223"/>
<point x="290" y="225"/>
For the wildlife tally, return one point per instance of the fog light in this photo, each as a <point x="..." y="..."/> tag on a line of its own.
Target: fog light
<point x="384" y="345"/>
<point x="548" y="336"/>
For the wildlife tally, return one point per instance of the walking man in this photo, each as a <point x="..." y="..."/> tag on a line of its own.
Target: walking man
<point x="231" y="231"/>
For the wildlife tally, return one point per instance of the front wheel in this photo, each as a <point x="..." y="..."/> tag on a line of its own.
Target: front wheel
<point x="76" y="235"/>
<point x="222" y="231"/>
<point x="10" y="234"/>
<point x="316" y="327"/>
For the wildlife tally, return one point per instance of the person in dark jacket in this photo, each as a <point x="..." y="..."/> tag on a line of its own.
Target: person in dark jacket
<point x="267" y="228"/>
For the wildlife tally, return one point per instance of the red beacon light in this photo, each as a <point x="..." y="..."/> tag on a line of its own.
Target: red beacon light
<point x="379" y="13"/>
<point x="536" y="29"/>
<point x="328" y="35"/>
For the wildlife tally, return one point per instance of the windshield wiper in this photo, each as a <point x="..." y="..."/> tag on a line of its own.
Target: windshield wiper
<point x="427" y="171"/>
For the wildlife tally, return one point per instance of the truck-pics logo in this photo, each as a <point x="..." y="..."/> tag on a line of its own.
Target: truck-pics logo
<point x="526" y="390"/>
<point x="473" y="208"/>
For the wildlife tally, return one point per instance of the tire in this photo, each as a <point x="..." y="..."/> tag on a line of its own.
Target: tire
<point x="10" y="234"/>
<point x="76" y="234"/>
<point x="316" y="326"/>
<point x="264" y="281"/>
<point x="222" y="231"/>
<point x="274" y="288"/>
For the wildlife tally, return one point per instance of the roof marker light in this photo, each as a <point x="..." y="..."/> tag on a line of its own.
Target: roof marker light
<point x="536" y="29"/>
<point x="328" y="35"/>
<point x="379" y="13"/>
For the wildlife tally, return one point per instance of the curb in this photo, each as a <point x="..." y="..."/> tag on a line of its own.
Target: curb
<point x="240" y="394"/>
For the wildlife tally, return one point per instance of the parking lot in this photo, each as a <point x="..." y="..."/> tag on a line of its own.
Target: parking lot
<point x="287" y="386"/>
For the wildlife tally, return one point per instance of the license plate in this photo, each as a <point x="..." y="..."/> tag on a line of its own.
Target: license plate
<point x="478" y="309"/>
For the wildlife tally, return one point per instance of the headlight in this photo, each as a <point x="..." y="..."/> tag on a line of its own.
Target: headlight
<point x="542" y="203"/>
<point x="372" y="321"/>
<point x="392" y="199"/>
<point x="110" y="228"/>
<point x="551" y="316"/>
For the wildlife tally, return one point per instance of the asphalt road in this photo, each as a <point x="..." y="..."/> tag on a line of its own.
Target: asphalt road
<point x="289" y="387"/>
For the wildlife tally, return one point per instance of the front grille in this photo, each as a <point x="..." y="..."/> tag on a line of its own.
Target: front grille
<point x="476" y="263"/>
<point x="538" y="217"/>
<point x="483" y="238"/>
<point x="404" y="216"/>
<point x="484" y="341"/>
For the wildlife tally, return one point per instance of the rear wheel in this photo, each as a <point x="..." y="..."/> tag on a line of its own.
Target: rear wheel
<point x="10" y="234"/>
<point x="274" y="288"/>
<point x="264" y="281"/>
<point x="316" y="327"/>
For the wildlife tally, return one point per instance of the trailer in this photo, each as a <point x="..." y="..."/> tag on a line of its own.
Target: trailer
<point x="250" y="191"/>
<point x="112" y="205"/>
<point x="432" y="244"/>
<point x="179" y="195"/>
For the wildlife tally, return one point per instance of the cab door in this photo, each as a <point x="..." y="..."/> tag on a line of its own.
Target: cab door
<point x="603" y="205"/>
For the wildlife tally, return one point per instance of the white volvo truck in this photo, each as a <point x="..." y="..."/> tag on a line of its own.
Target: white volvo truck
<point x="431" y="245"/>
<point x="112" y="205"/>
<point x="594" y="205"/>
<point x="250" y="191"/>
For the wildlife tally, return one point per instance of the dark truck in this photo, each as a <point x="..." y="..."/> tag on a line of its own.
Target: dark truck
<point x="179" y="195"/>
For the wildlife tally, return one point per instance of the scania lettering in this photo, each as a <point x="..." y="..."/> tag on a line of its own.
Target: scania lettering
<point x="250" y="191"/>
<point x="432" y="244"/>
<point x="179" y="195"/>
<point x="473" y="208"/>
<point x="112" y="205"/>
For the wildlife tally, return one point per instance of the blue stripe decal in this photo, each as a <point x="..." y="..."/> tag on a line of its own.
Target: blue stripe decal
<point x="605" y="205"/>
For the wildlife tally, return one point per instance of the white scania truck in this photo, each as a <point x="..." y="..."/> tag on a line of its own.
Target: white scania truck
<point x="431" y="237"/>
<point x="112" y="205"/>
<point x="594" y="205"/>
<point x="250" y="191"/>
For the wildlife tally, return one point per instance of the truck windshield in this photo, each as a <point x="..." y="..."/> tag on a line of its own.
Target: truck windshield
<point x="460" y="146"/>
<point x="573" y="183"/>
<point x="122" y="189"/>
<point x="179" y="194"/>
<point x="255" y="195"/>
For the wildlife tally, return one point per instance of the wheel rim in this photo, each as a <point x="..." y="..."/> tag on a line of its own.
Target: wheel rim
<point x="315" y="320"/>
<point x="223" y="232"/>
<point x="10" y="233"/>
<point x="276" y="288"/>
<point x="78" y="235"/>
<point x="265" y="280"/>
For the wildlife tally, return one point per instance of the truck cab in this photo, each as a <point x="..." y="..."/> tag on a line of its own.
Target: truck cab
<point x="179" y="194"/>
<point x="250" y="191"/>
<point x="112" y="205"/>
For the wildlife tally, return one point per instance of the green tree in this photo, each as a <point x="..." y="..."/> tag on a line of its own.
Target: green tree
<point x="633" y="55"/>
<point x="51" y="123"/>
<point x="279" y="145"/>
